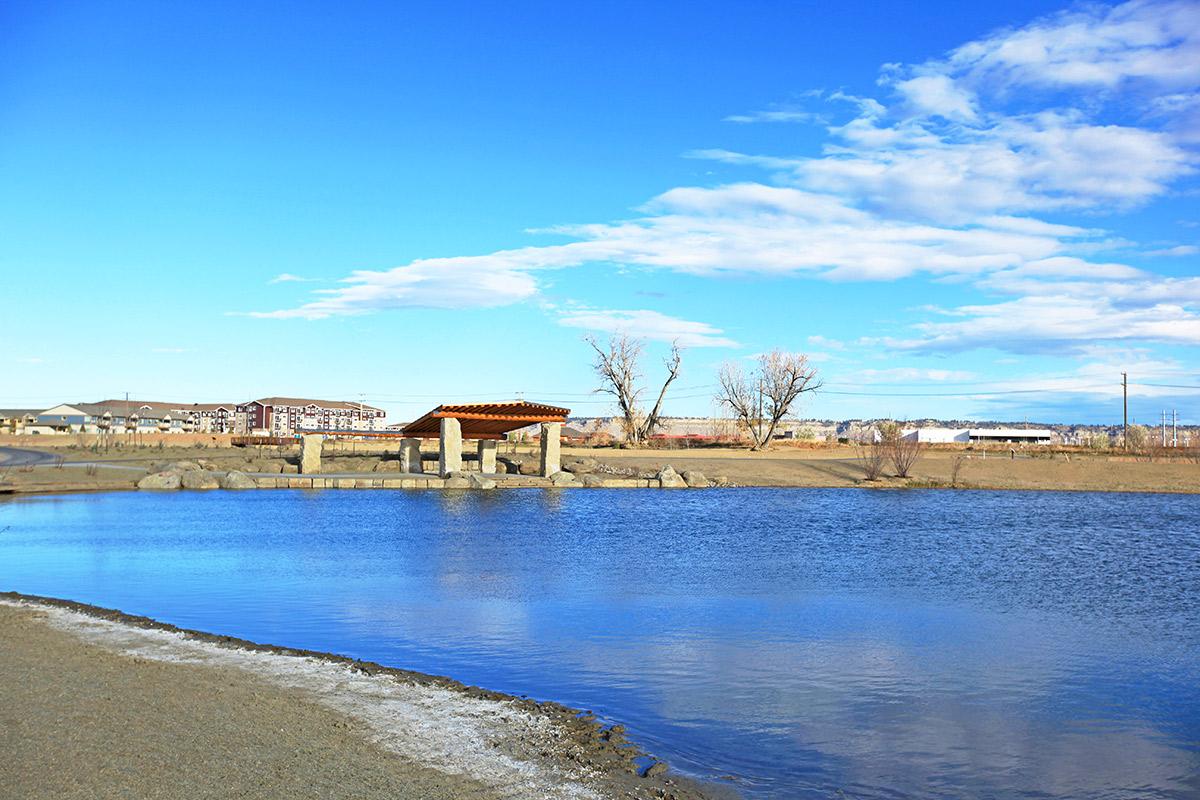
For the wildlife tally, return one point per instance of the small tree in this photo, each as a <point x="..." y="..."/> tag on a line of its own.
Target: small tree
<point x="956" y="465"/>
<point x="871" y="456"/>
<point x="903" y="450"/>
<point x="617" y="367"/>
<point x="760" y="400"/>
<point x="1137" y="437"/>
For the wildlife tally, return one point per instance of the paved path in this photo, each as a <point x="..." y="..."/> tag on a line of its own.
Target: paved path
<point x="18" y="457"/>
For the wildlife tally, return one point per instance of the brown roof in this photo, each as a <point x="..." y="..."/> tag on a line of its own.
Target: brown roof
<point x="144" y="409"/>
<point x="486" y="420"/>
<point x="303" y="401"/>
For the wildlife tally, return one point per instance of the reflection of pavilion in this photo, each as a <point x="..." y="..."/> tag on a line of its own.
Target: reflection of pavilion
<point x="487" y="423"/>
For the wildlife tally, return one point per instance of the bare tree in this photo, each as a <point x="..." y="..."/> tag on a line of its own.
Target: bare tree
<point x="617" y="367"/>
<point x="871" y="452"/>
<point x="760" y="400"/>
<point x="956" y="465"/>
<point x="903" y="450"/>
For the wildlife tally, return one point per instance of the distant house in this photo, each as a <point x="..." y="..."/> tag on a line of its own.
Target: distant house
<point x="111" y="416"/>
<point x="286" y="416"/>
<point x="135" y="416"/>
<point x="15" y="420"/>
<point x="62" y="418"/>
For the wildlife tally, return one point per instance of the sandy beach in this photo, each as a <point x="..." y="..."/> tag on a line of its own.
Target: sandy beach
<point x="99" y="704"/>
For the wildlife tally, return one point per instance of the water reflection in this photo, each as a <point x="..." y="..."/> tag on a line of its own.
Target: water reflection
<point x="804" y="642"/>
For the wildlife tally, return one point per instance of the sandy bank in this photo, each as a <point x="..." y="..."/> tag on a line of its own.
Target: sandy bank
<point x="824" y="467"/>
<point x="99" y="704"/>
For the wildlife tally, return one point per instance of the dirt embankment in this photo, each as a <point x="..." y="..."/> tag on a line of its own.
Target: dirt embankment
<point x="835" y="467"/>
<point x="99" y="705"/>
<point x="832" y="466"/>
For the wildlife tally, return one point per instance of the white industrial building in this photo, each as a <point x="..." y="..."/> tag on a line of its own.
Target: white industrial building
<point x="980" y="435"/>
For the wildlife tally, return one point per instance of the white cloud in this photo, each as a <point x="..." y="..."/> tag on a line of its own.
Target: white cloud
<point x="645" y="324"/>
<point x="827" y="343"/>
<point x="1063" y="324"/>
<point x="1094" y="47"/>
<point x="938" y="95"/>
<point x="911" y="375"/>
<point x="951" y="183"/>
<point x="498" y="279"/>
<point x="775" y="116"/>
<point x="287" y="277"/>
<point x="1178" y="250"/>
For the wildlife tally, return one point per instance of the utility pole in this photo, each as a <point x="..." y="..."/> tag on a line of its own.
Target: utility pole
<point x="1125" y="417"/>
<point x="1174" y="428"/>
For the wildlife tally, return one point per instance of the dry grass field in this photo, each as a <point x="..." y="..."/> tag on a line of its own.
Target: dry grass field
<point x="827" y="466"/>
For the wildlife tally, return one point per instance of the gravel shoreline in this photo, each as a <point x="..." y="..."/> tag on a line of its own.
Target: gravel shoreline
<point x="81" y="676"/>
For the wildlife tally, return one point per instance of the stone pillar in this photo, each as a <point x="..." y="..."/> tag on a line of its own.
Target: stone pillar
<point x="410" y="456"/>
<point x="450" y="447"/>
<point x="551" y="436"/>
<point x="487" y="456"/>
<point x="310" y="453"/>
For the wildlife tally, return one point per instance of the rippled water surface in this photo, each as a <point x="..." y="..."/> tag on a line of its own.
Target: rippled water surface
<point x="793" y="643"/>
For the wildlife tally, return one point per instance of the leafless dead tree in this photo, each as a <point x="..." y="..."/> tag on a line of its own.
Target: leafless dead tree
<point x="760" y="400"/>
<point x="956" y="465"/>
<point x="617" y="367"/>
<point x="871" y="456"/>
<point x="903" y="450"/>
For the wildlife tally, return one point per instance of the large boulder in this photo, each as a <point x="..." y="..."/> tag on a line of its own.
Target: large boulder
<point x="183" y="466"/>
<point x="480" y="481"/>
<point x="390" y="465"/>
<point x="159" y="481"/>
<point x="695" y="479"/>
<point x="668" y="478"/>
<point x="580" y="466"/>
<point x="237" y="480"/>
<point x="528" y="468"/>
<point x="457" y="480"/>
<point x="563" y="479"/>
<point x="199" y="479"/>
<point x="592" y="481"/>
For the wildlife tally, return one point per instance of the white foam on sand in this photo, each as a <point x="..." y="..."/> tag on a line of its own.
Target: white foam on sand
<point x="439" y="728"/>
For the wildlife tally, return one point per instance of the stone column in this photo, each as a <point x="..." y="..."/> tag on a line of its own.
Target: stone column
<point x="450" y="447"/>
<point x="551" y="436"/>
<point x="310" y="453"/>
<point x="487" y="456"/>
<point x="410" y="456"/>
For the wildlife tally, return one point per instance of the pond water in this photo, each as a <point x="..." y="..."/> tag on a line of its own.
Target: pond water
<point x="788" y="642"/>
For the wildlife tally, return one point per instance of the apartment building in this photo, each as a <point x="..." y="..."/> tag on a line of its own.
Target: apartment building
<point x="215" y="418"/>
<point x="286" y="416"/>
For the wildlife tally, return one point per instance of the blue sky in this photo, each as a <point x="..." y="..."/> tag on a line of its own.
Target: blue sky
<point x="991" y="205"/>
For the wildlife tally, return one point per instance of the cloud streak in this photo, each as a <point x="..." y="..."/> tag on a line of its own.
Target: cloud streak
<point x="949" y="175"/>
<point x="646" y="324"/>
